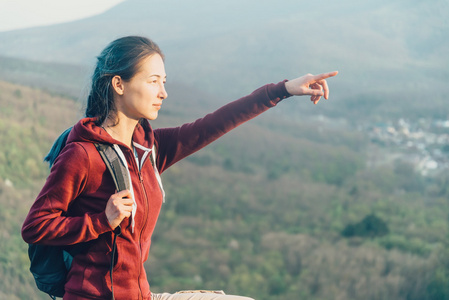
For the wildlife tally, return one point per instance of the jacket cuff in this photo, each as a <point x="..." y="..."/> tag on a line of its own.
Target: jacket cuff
<point x="101" y="223"/>
<point x="277" y="92"/>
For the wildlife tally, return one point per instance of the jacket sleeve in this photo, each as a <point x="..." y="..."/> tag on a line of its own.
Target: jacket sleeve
<point x="47" y="221"/>
<point x="177" y="143"/>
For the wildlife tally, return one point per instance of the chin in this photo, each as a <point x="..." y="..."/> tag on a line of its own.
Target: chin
<point x="152" y="117"/>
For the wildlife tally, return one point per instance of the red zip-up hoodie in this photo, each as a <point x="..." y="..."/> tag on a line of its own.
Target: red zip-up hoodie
<point x="70" y="209"/>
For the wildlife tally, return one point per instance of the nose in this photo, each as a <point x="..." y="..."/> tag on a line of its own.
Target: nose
<point x="163" y="93"/>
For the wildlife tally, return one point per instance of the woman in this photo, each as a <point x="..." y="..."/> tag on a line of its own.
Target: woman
<point x="79" y="203"/>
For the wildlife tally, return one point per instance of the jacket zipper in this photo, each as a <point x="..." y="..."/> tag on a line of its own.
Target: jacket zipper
<point x="143" y="227"/>
<point x="145" y="215"/>
<point x="139" y="173"/>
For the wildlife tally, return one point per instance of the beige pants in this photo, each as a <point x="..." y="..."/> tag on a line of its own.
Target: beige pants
<point x="197" y="295"/>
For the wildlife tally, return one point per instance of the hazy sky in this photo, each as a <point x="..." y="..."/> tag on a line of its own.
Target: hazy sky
<point x="16" y="14"/>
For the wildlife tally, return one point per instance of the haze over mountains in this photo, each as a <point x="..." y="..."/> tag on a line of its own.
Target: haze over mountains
<point x="385" y="50"/>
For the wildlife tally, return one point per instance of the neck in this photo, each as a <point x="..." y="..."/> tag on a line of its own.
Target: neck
<point x="122" y="130"/>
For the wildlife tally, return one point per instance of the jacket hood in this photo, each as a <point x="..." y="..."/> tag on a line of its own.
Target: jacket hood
<point x="86" y="131"/>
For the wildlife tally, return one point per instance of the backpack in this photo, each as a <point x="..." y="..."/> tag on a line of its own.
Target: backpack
<point x="51" y="264"/>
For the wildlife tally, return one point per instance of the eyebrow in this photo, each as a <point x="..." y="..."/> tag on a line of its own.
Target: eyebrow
<point x="159" y="76"/>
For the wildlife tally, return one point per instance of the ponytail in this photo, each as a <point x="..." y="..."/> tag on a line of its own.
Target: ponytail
<point x="57" y="147"/>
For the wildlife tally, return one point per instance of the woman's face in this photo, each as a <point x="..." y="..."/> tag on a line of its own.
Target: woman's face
<point x="141" y="96"/>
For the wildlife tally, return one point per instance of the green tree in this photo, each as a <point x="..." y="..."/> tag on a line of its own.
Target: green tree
<point x="370" y="226"/>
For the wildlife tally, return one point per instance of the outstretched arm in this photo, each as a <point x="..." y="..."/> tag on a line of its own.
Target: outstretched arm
<point x="313" y="85"/>
<point x="176" y="143"/>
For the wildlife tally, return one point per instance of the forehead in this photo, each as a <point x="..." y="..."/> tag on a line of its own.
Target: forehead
<point x="152" y="65"/>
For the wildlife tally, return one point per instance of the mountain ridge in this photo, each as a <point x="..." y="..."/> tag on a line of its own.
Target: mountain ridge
<point x="395" y="45"/>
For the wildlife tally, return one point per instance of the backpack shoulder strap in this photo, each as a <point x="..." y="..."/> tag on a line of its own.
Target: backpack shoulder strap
<point x="120" y="175"/>
<point x="115" y="166"/>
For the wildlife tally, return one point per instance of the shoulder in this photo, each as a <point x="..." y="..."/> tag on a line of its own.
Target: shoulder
<point x="77" y="155"/>
<point x="71" y="169"/>
<point x="77" y="150"/>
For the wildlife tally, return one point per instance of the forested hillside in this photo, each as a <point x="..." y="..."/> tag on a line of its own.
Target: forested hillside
<point x="29" y="122"/>
<point x="278" y="209"/>
<point x="391" y="54"/>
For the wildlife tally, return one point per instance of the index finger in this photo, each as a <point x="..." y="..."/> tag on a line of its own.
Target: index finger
<point x="325" y="75"/>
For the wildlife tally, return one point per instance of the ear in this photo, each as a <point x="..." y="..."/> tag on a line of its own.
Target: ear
<point x="117" y="84"/>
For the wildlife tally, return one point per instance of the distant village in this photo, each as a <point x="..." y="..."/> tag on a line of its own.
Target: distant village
<point x="424" y="144"/>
